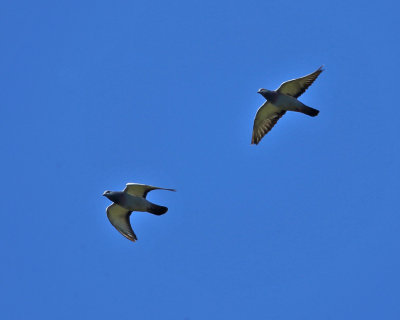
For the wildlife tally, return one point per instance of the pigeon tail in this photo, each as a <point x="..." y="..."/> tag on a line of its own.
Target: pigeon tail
<point x="157" y="210"/>
<point x="309" y="111"/>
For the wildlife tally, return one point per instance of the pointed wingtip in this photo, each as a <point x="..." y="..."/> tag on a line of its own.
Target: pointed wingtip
<point x="253" y="141"/>
<point x="133" y="238"/>
<point x="174" y="190"/>
<point x="130" y="237"/>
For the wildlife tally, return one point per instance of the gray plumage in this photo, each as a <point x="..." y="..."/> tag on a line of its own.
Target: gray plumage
<point x="133" y="198"/>
<point x="281" y="100"/>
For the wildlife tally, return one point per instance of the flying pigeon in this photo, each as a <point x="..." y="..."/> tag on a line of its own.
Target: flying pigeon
<point x="281" y="100"/>
<point x="133" y="198"/>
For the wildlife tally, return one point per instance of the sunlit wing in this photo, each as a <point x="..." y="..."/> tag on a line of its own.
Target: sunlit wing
<point x="297" y="87"/>
<point x="119" y="218"/>
<point x="141" y="190"/>
<point x="267" y="116"/>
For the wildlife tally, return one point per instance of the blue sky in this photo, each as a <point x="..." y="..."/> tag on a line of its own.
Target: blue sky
<point x="96" y="94"/>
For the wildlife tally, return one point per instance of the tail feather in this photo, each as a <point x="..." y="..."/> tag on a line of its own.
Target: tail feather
<point x="157" y="210"/>
<point x="309" y="111"/>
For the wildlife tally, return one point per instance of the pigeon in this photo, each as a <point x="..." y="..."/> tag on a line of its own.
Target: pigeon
<point x="281" y="100"/>
<point x="133" y="198"/>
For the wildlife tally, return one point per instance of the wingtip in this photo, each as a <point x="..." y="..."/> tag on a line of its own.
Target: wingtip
<point x="132" y="238"/>
<point x="168" y="189"/>
<point x="253" y="141"/>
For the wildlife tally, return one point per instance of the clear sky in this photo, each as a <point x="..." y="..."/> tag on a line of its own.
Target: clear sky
<point x="95" y="94"/>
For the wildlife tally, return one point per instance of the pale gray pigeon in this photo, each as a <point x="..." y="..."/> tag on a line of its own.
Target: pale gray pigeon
<point x="133" y="198"/>
<point x="281" y="100"/>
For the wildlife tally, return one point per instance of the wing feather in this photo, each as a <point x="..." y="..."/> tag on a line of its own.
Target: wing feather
<point x="297" y="87"/>
<point x="267" y="116"/>
<point x="141" y="190"/>
<point x="119" y="218"/>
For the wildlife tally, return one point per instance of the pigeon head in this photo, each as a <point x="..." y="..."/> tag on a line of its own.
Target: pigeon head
<point x="267" y="94"/>
<point x="112" y="195"/>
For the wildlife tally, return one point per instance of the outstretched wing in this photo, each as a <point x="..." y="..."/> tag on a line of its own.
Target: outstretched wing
<point x="267" y="116"/>
<point x="141" y="190"/>
<point x="297" y="87"/>
<point x="119" y="218"/>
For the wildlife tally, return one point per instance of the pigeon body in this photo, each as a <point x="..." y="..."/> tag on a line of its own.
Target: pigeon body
<point x="287" y="103"/>
<point x="281" y="100"/>
<point x="133" y="203"/>
<point x="133" y="198"/>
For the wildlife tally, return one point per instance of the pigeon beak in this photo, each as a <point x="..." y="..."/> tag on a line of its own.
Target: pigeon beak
<point x="104" y="193"/>
<point x="259" y="91"/>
